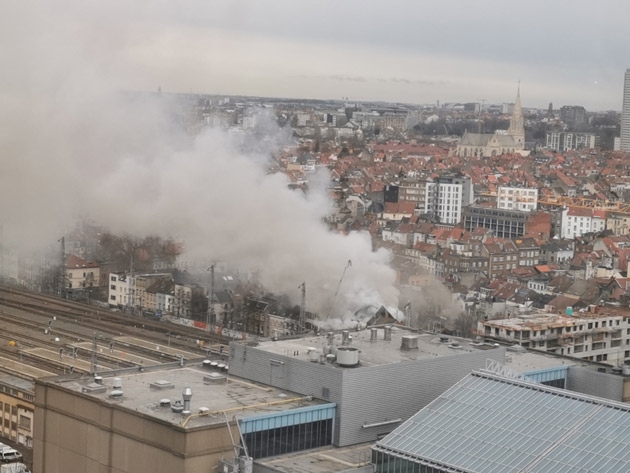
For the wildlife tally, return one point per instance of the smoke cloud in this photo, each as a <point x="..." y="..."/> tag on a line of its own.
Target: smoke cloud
<point x="73" y="145"/>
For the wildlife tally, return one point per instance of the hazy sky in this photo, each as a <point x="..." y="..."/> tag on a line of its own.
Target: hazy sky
<point x="563" y="51"/>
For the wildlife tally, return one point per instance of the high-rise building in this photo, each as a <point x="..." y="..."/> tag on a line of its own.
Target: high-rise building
<point x="573" y="115"/>
<point x="446" y="196"/>
<point x="625" y="114"/>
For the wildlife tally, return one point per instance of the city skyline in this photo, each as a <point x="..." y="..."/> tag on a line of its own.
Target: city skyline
<point x="568" y="54"/>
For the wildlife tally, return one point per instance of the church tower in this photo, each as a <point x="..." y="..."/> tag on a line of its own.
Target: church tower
<point x="517" y="124"/>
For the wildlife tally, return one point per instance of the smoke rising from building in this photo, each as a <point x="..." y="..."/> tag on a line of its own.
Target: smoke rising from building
<point x="74" y="146"/>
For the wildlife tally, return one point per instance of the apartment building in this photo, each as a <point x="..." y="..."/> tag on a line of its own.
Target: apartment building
<point x="590" y="335"/>
<point x="576" y="221"/>
<point x="447" y="196"/>
<point x="517" y="198"/>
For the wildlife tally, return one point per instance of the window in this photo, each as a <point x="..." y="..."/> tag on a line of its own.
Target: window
<point x="113" y="278"/>
<point x="113" y="287"/>
<point x="112" y="298"/>
<point x="25" y="423"/>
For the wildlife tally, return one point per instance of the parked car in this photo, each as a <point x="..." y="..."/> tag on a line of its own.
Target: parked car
<point x="9" y="454"/>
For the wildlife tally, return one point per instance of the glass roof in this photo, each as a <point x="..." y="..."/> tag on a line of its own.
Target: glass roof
<point x="490" y="424"/>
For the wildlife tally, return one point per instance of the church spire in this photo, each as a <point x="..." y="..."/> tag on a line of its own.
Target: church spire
<point x="517" y="124"/>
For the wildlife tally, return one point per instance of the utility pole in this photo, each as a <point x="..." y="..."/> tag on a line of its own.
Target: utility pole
<point x="94" y="348"/>
<point x="62" y="268"/>
<point x="210" y="316"/>
<point x="302" y="323"/>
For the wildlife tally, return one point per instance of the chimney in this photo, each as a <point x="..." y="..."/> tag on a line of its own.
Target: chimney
<point x="373" y="334"/>
<point x="187" y="395"/>
<point x="345" y="337"/>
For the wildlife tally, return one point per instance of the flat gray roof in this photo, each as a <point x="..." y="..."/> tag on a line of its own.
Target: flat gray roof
<point x="321" y="460"/>
<point x="381" y="352"/>
<point x="143" y="392"/>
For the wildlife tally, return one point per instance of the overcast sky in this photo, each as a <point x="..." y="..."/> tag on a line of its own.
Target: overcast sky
<point x="562" y="51"/>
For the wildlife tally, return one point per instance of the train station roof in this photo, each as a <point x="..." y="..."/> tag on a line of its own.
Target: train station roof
<point x="487" y="423"/>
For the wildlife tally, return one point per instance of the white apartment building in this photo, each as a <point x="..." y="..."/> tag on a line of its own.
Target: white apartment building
<point x="517" y="198"/>
<point x="589" y="336"/>
<point x="446" y="196"/>
<point x="121" y="290"/>
<point x="577" y="221"/>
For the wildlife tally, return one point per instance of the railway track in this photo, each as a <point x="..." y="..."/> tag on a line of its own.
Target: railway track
<point x="47" y="331"/>
<point x="96" y="319"/>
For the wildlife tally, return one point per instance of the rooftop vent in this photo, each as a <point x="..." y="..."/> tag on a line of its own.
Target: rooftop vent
<point x="373" y="334"/>
<point x="98" y="379"/>
<point x="347" y="356"/>
<point x="161" y="384"/>
<point x="116" y="393"/>
<point x="388" y="333"/>
<point x="187" y="395"/>
<point x="409" y="342"/>
<point x="203" y="410"/>
<point x="516" y="348"/>
<point x="214" y="378"/>
<point x="94" y="388"/>
<point x="117" y="384"/>
<point x="165" y="403"/>
<point x="177" y="407"/>
<point x="345" y="337"/>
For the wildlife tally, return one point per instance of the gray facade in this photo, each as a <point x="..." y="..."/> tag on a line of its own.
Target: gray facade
<point x="590" y="382"/>
<point x="503" y="223"/>
<point x="370" y="399"/>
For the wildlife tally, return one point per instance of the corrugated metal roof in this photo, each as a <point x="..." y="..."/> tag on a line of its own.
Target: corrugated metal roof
<point x="490" y="424"/>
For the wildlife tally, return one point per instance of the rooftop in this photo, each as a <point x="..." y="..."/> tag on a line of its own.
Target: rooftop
<point x="146" y="392"/>
<point x="372" y="352"/>
<point x="488" y="423"/>
<point x="382" y="352"/>
<point x="321" y="460"/>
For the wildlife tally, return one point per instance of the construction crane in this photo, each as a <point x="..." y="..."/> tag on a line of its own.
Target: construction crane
<point x="595" y="204"/>
<point x="332" y="304"/>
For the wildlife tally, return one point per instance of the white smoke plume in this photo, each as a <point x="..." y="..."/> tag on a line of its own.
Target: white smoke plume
<point x="73" y="146"/>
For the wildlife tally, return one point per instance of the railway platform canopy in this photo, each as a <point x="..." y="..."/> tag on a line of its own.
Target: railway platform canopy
<point x="489" y="423"/>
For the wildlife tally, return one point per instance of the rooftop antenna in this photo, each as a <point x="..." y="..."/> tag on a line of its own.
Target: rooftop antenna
<point x="338" y="286"/>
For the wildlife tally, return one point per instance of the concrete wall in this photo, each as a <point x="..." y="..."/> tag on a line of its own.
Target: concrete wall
<point x="397" y="391"/>
<point x="364" y="395"/>
<point x="78" y="434"/>
<point x="590" y="382"/>
<point x="302" y="377"/>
